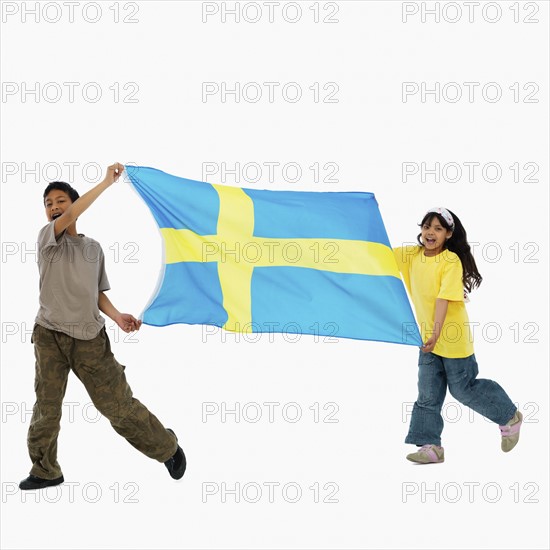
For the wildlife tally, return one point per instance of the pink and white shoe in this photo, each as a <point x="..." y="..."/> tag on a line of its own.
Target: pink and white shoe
<point x="428" y="454"/>
<point x="510" y="432"/>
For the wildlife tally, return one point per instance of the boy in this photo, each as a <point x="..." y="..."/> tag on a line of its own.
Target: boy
<point x="69" y="334"/>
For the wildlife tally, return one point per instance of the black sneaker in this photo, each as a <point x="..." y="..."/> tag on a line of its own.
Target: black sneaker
<point x="176" y="464"/>
<point x="35" y="482"/>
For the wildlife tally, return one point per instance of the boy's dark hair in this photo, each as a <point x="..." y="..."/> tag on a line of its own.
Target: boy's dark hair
<point x="62" y="186"/>
<point x="458" y="244"/>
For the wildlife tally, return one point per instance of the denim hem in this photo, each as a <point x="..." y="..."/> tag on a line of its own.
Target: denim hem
<point x="416" y="439"/>
<point x="508" y="416"/>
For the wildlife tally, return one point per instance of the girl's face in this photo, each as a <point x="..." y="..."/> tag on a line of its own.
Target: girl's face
<point x="434" y="236"/>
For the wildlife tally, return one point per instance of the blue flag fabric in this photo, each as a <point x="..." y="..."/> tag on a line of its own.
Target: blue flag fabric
<point x="257" y="261"/>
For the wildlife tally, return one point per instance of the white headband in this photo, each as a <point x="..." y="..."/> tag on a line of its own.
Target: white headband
<point x="443" y="212"/>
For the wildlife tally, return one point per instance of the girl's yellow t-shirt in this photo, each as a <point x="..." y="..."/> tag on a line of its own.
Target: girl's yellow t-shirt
<point x="428" y="278"/>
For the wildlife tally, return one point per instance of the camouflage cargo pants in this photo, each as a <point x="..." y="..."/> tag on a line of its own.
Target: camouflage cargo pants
<point x="103" y="377"/>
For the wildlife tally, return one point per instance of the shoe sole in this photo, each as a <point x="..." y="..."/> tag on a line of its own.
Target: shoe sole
<point x="506" y="438"/>
<point x="184" y="457"/>
<point x="48" y="483"/>
<point x="427" y="462"/>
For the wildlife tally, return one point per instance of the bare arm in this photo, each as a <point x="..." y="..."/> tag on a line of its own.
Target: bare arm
<point x="81" y="204"/>
<point x="441" y="307"/>
<point x="107" y="307"/>
<point x="125" y="321"/>
<point x="440" y="314"/>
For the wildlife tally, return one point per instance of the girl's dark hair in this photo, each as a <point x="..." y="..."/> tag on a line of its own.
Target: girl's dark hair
<point x="62" y="186"/>
<point x="458" y="244"/>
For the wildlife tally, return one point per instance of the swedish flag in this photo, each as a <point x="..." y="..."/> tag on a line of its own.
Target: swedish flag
<point x="274" y="261"/>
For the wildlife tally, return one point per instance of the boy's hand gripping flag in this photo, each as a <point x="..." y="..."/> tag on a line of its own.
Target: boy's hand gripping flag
<point x="274" y="261"/>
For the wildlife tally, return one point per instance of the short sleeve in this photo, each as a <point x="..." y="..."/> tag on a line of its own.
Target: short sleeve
<point x="103" y="281"/>
<point x="46" y="236"/>
<point x="398" y="253"/>
<point x="452" y="288"/>
<point x="403" y="255"/>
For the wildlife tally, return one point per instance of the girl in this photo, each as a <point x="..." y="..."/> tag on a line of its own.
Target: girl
<point x="439" y="274"/>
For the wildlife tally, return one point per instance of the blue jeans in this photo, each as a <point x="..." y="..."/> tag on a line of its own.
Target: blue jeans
<point x="434" y="374"/>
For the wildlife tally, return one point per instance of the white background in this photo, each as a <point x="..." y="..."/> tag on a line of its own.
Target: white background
<point x="169" y="52"/>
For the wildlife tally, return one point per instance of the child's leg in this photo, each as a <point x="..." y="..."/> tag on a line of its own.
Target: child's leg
<point x="52" y="372"/>
<point x="105" y="381"/>
<point x="426" y="420"/>
<point x="483" y="396"/>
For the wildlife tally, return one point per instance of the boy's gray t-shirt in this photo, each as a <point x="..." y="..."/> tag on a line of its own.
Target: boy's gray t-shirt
<point x="72" y="273"/>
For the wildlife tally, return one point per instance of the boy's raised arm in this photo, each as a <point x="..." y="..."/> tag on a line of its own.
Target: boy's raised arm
<point x="81" y="204"/>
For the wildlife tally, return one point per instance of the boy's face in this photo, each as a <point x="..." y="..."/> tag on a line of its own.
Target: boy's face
<point x="56" y="203"/>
